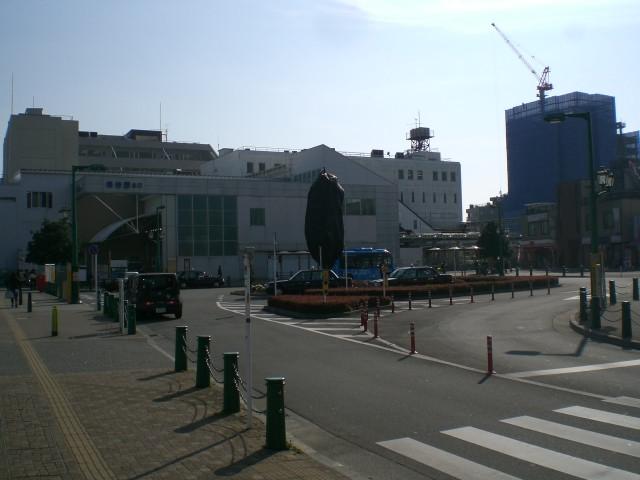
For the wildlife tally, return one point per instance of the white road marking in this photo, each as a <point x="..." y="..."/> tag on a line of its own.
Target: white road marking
<point x="586" y="437"/>
<point x="584" y="368"/>
<point x="626" y="401"/>
<point x="332" y="329"/>
<point x="445" y="462"/>
<point x="541" y="456"/>
<point x="602" y="416"/>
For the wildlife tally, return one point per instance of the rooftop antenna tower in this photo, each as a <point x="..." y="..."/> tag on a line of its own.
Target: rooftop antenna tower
<point x="420" y="137"/>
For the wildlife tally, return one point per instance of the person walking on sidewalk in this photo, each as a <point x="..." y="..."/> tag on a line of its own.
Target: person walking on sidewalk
<point x="12" y="289"/>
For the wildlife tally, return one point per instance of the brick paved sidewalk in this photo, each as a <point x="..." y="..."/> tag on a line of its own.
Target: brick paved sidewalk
<point x="72" y="407"/>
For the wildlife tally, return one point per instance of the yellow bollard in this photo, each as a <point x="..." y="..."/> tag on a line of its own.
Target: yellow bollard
<point x="54" y="321"/>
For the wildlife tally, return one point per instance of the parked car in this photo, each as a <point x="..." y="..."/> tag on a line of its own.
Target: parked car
<point x="305" y="279"/>
<point x="155" y="294"/>
<point x="415" y="276"/>
<point x="198" y="279"/>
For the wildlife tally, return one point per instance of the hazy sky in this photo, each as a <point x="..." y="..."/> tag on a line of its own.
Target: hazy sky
<point x="352" y="74"/>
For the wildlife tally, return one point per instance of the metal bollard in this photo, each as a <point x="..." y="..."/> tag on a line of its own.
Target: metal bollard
<point x="530" y="288"/>
<point x="366" y="320"/>
<point x="429" y="298"/>
<point x="564" y="271"/>
<point x="612" y="292"/>
<point x="378" y="306"/>
<point x="626" y="321"/>
<point x="583" y="305"/>
<point x="548" y="285"/>
<point x="450" y="294"/>
<point x="490" y="370"/>
<point x="471" y="292"/>
<point x="131" y="319"/>
<point x="181" y="349"/>
<point x="636" y="293"/>
<point x="513" y="290"/>
<point x="54" y="321"/>
<point x="530" y="270"/>
<point x="29" y="303"/>
<point x="231" y="394"/>
<point x="582" y="270"/>
<point x="393" y="305"/>
<point x="203" y="379"/>
<point x="276" y="431"/>
<point x="410" y="301"/>
<point x="595" y="312"/>
<point x="98" y="306"/>
<point x="493" y="291"/>
<point x="412" y="337"/>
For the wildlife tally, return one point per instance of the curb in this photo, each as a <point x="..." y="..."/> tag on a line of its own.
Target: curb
<point x="597" y="335"/>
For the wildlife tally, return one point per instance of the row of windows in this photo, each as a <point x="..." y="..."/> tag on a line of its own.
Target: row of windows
<point x="360" y="206"/>
<point x="157" y="154"/>
<point x="443" y="176"/>
<point x="39" y="199"/>
<point x="434" y="197"/>
<point x="124" y="185"/>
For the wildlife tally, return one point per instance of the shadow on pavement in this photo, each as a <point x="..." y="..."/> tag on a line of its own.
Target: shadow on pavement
<point x="249" y="461"/>
<point x="178" y="394"/>
<point x="155" y="377"/>
<point x="202" y="422"/>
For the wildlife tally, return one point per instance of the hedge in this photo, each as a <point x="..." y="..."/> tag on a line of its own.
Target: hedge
<point x="315" y="303"/>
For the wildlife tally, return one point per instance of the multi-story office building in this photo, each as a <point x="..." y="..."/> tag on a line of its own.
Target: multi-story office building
<point x="541" y="155"/>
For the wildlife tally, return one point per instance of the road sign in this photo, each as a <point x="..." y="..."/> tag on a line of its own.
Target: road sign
<point x="93" y="248"/>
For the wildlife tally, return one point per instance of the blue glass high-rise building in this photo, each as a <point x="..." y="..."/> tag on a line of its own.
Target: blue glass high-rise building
<point x="541" y="155"/>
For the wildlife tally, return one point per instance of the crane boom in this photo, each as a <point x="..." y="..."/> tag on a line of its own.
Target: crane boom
<point x="543" y="80"/>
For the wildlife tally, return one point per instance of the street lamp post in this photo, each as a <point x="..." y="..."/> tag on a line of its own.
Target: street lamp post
<point x="159" y="237"/>
<point x="597" y="279"/>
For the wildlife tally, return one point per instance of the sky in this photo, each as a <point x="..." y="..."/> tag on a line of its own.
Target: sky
<point x="351" y="74"/>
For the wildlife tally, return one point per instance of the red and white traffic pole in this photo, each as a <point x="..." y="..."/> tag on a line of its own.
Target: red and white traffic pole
<point x="490" y="369"/>
<point x="412" y="335"/>
<point x="410" y="301"/>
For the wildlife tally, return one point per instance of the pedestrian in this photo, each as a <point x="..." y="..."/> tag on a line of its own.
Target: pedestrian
<point x="32" y="279"/>
<point x="12" y="289"/>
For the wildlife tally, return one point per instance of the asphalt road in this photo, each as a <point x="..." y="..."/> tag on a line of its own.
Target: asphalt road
<point x="372" y="410"/>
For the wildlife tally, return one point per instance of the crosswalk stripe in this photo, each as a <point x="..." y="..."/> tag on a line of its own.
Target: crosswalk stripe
<point x="626" y="401"/>
<point x="541" y="456"/>
<point x="445" y="462"/>
<point x="586" y="437"/>
<point x="602" y="416"/>
<point x="332" y="329"/>
<point x="580" y="369"/>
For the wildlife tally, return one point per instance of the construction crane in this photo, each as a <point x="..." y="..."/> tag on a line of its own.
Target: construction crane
<point x="543" y="80"/>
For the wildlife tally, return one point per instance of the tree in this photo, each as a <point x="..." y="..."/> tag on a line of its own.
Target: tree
<point x="51" y="244"/>
<point x="493" y="244"/>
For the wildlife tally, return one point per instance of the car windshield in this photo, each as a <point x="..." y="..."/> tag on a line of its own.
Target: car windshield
<point x="400" y="273"/>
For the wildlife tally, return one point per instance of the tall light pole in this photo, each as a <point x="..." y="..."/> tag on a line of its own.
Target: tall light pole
<point x="593" y="214"/>
<point x="159" y="237"/>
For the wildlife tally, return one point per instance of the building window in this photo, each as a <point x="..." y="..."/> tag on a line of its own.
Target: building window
<point x="424" y="196"/>
<point x="413" y="198"/>
<point x="39" y="199"/>
<point x="261" y="167"/>
<point x="207" y="225"/>
<point x="409" y="174"/>
<point x="415" y="224"/>
<point x="444" y="176"/>
<point x="400" y="174"/>
<point x="607" y="220"/>
<point x="435" y="176"/>
<point x="434" y="197"/>
<point x="452" y="176"/>
<point x="249" y="167"/>
<point x="360" y="206"/>
<point x="401" y="197"/>
<point x="444" y="198"/>
<point x="256" y="217"/>
<point x="419" y="174"/>
<point x="455" y="198"/>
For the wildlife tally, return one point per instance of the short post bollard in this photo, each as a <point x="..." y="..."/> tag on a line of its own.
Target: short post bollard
<point x="612" y="292"/>
<point x="471" y="293"/>
<point x="548" y="285"/>
<point x="626" y="321"/>
<point x="203" y="379"/>
<point x="231" y="394"/>
<point x="410" y="301"/>
<point x="412" y="337"/>
<point x="490" y="370"/>
<point x="595" y="313"/>
<point x="98" y="297"/>
<point x="450" y="294"/>
<point x="636" y="293"/>
<point x="393" y="305"/>
<point x="530" y="270"/>
<point x="513" y="290"/>
<point x="583" y="305"/>
<point x="29" y="303"/>
<point x="429" y="298"/>
<point x="530" y="288"/>
<point x="54" y="321"/>
<point x="582" y="270"/>
<point x="362" y="313"/>
<point x="365" y="325"/>
<point x="564" y="271"/>
<point x="181" y="349"/>
<point x="378" y="306"/>
<point x="493" y="291"/>
<point x="276" y="431"/>
<point x="131" y="319"/>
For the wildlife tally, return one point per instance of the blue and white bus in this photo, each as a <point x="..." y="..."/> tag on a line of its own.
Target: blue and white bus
<point x="363" y="263"/>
